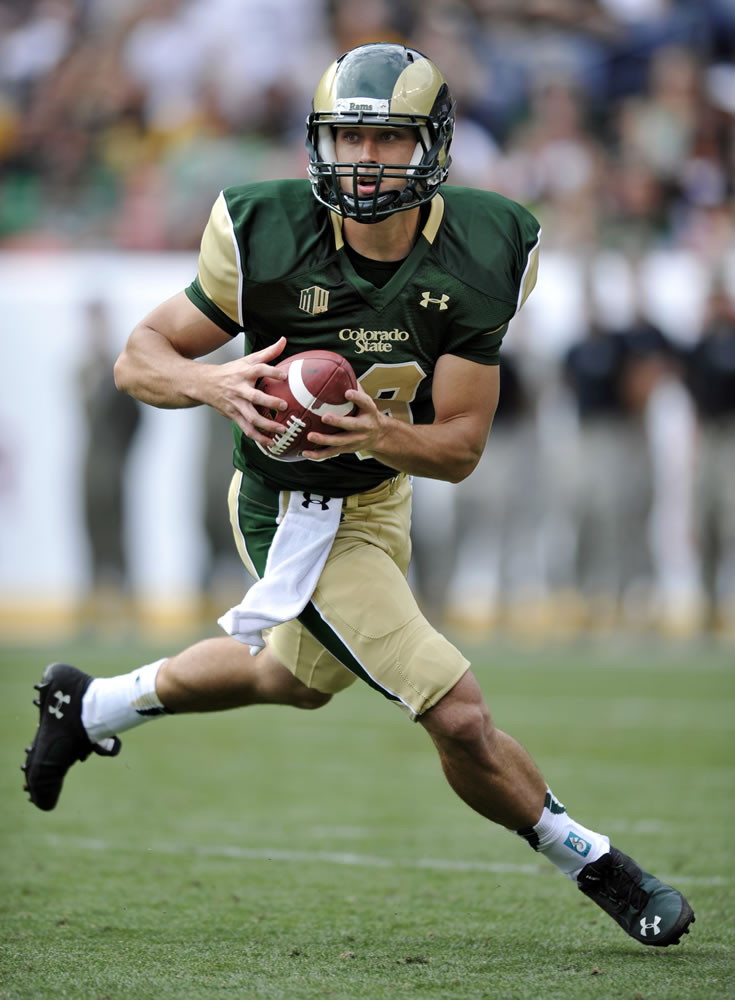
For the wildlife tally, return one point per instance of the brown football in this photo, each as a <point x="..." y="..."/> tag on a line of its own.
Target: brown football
<point x="316" y="385"/>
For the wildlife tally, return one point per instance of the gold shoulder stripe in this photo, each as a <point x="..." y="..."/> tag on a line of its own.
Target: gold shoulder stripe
<point x="528" y="281"/>
<point x="220" y="271"/>
<point x="339" y="240"/>
<point x="435" y="217"/>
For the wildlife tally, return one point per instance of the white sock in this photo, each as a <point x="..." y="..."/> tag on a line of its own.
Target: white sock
<point x="113" y="704"/>
<point x="566" y="843"/>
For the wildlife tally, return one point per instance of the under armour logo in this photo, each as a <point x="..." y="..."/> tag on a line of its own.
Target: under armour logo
<point x="61" y="699"/>
<point x="322" y="501"/>
<point x="426" y="299"/>
<point x="652" y="926"/>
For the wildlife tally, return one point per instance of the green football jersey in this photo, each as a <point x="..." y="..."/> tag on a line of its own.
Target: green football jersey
<point x="273" y="263"/>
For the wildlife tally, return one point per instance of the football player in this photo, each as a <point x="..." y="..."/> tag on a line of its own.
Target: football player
<point x="415" y="284"/>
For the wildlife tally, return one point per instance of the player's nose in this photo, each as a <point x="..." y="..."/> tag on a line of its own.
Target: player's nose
<point x="368" y="150"/>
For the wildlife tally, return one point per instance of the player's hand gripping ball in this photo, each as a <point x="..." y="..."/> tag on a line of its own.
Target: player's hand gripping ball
<point x="316" y="385"/>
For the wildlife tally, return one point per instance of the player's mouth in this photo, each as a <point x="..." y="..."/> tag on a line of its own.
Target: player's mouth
<point x="366" y="187"/>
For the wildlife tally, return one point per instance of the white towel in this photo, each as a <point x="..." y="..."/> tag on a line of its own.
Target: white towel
<point x="295" y="561"/>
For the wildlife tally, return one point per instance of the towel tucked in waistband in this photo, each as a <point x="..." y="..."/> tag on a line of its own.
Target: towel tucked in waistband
<point x="296" y="558"/>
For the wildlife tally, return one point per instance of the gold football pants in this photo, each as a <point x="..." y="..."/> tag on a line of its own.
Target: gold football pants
<point x="362" y="620"/>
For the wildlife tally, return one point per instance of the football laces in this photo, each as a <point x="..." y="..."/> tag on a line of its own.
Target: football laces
<point x="284" y="440"/>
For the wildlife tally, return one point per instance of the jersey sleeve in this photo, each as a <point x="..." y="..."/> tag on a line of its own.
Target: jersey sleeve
<point x="484" y="348"/>
<point x="514" y="277"/>
<point x="217" y="288"/>
<point x="530" y="233"/>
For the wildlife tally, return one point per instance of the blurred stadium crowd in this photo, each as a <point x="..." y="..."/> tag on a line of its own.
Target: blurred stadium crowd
<point x="607" y="494"/>
<point x="613" y="118"/>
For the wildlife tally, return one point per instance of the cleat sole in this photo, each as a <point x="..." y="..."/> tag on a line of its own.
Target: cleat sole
<point x="684" y="930"/>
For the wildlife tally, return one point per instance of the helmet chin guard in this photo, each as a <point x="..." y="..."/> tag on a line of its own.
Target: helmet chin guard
<point x="380" y="85"/>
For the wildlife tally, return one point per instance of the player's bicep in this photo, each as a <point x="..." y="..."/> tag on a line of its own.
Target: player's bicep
<point x="188" y="330"/>
<point x="466" y="393"/>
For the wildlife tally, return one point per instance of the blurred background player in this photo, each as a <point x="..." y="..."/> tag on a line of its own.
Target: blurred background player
<point x="711" y="377"/>
<point x="112" y="422"/>
<point x="496" y="568"/>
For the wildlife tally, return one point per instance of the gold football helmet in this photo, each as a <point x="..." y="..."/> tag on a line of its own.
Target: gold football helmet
<point x="380" y="84"/>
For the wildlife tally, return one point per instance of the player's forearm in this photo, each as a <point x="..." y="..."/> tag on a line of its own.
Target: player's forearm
<point x="432" y="451"/>
<point x="151" y="370"/>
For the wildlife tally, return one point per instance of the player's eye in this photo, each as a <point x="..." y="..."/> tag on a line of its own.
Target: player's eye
<point x="397" y="135"/>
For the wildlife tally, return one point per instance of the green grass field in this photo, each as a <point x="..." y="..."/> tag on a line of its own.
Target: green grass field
<point x="271" y="854"/>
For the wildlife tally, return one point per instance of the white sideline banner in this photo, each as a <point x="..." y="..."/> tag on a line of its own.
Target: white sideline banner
<point x="44" y="553"/>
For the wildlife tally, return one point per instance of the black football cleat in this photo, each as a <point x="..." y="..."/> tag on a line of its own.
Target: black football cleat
<point x="61" y="739"/>
<point x="647" y="909"/>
